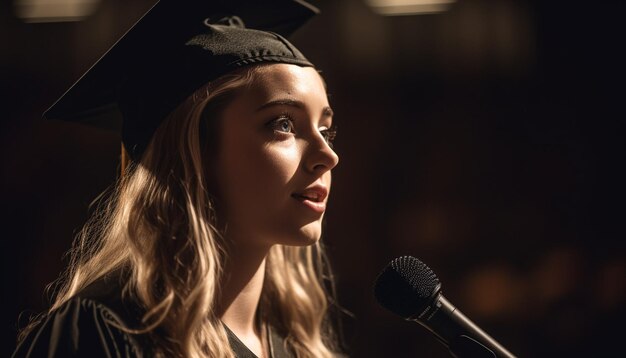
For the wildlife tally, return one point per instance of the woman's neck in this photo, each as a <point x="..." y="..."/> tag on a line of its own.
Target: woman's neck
<point x="241" y="292"/>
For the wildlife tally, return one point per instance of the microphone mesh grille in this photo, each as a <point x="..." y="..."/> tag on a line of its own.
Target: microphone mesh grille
<point x="406" y="286"/>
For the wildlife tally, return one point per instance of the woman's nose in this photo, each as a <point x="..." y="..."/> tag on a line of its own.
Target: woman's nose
<point x="320" y="156"/>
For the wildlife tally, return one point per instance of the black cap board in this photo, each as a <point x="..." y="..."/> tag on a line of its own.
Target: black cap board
<point x="174" y="49"/>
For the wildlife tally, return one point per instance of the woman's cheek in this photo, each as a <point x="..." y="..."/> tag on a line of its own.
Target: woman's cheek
<point x="282" y="161"/>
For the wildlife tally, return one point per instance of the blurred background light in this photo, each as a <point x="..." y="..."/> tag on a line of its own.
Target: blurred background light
<point x="54" y="10"/>
<point x="408" y="7"/>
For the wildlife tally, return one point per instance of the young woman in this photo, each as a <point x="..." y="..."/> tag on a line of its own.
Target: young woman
<point x="209" y="245"/>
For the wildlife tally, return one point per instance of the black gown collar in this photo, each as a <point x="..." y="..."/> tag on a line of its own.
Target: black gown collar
<point x="277" y="347"/>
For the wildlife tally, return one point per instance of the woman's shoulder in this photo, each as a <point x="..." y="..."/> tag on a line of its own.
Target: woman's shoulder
<point x="108" y="293"/>
<point x="94" y="323"/>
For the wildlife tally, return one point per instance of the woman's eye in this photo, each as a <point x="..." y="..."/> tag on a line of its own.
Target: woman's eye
<point x="282" y="124"/>
<point x="329" y="135"/>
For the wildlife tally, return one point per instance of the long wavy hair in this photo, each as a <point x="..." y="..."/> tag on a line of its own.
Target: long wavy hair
<point x="159" y="224"/>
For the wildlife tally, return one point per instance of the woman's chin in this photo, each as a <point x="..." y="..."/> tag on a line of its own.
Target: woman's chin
<point x="307" y="235"/>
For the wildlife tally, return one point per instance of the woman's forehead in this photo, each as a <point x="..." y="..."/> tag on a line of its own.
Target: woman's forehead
<point x="287" y="81"/>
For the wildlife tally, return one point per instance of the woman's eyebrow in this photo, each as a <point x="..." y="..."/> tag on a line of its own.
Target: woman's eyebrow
<point x="326" y="111"/>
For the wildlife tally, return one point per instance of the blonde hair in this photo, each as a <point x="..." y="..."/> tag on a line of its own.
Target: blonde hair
<point x="159" y="224"/>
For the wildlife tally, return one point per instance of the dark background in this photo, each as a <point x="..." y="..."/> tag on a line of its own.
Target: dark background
<point x="487" y="140"/>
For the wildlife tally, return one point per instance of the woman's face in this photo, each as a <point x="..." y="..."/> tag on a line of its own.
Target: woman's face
<point x="274" y="159"/>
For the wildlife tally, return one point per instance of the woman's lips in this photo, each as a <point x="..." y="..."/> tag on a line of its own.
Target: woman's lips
<point x="313" y="197"/>
<point x="318" y="207"/>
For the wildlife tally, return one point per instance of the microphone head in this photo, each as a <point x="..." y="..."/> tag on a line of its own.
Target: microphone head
<point x="406" y="286"/>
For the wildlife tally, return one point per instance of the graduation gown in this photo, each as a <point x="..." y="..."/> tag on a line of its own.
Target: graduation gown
<point x="88" y="325"/>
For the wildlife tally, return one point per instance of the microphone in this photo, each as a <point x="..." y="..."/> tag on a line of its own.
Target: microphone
<point x="410" y="289"/>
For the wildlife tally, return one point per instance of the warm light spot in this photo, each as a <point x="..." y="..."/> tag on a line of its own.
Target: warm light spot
<point x="611" y="285"/>
<point x="557" y="274"/>
<point x="408" y="7"/>
<point x="493" y="291"/>
<point x="54" y="10"/>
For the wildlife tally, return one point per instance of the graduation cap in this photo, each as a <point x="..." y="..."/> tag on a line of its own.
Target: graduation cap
<point x="174" y="49"/>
